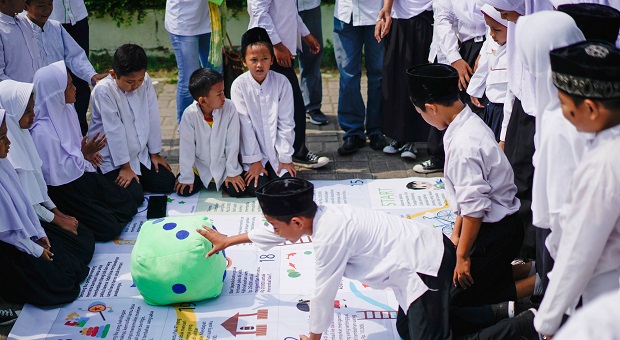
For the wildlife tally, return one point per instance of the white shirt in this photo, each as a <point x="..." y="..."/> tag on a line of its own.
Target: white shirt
<point x="213" y="151"/>
<point x="130" y="121"/>
<point x="598" y="320"/>
<point x="406" y="9"/>
<point x="69" y="11"/>
<point x="587" y="262"/>
<point x="358" y="12"/>
<point x="465" y="15"/>
<point x="492" y="74"/>
<point x="56" y="44"/>
<point x="281" y="21"/>
<point x="304" y="5"/>
<point x="381" y="250"/>
<point x="19" y="53"/>
<point x="187" y="17"/>
<point x="479" y="179"/>
<point x="434" y="51"/>
<point x="266" y="115"/>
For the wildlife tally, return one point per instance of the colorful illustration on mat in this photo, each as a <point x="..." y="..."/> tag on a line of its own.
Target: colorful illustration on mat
<point x="423" y="185"/>
<point x="293" y="272"/>
<point x="248" y="324"/>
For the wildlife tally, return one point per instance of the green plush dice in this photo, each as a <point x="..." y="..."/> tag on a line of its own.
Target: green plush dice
<point x="169" y="264"/>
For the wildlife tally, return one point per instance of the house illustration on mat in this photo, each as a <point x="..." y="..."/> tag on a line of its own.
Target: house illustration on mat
<point x="247" y="324"/>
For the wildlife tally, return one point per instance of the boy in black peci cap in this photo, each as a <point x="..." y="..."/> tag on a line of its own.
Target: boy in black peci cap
<point x="587" y="76"/>
<point x="381" y="250"/>
<point x="479" y="181"/>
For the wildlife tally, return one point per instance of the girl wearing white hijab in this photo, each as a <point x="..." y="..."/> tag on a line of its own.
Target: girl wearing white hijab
<point x="73" y="183"/>
<point x="17" y="98"/>
<point x="559" y="146"/>
<point x="38" y="270"/>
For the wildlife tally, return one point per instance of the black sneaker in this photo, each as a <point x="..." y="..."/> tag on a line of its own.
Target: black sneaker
<point x="429" y="166"/>
<point x="393" y="148"/>
<point x="317" y="117"/>
<point x="351" y="144"/>
<point x="8" y="316"/>
<point x="310" y="161"/>
<point x="377" y="142"/>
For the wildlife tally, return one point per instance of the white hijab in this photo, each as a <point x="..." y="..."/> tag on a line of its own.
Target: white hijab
<point x="56" y="130"/>
<point x="558" y="144"/>
<point x="14" y="97"/>
<point x="16" y="212"/>
<point x="493" y="14"/>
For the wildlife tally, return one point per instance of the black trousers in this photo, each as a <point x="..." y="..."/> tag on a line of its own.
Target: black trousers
<point x="262" y="180"/>
<point x="98" y="203"/>
<point x="544" y="261"/>
<point x="492" y="253"/>
<point x="230" y="190"/>
<point x="493" y="117"/>
<point x="47" y="283"/>
<point x="469" y="51"/>
<point x="299" y="144"/>
<point x="432" y="315"/>
<point x="407" y="45"/>
<point x="79" y="32"/>
<point x="519" y="150"/>
<point x="161" y="182"/>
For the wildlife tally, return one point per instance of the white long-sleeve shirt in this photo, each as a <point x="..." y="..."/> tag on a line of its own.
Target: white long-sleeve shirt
<point x="187" y="17"/>
<point x="130" y="121"/>
<point x="478" y="177"/>
<point x="19" y="53"/>
<point x="281" y="21"/>
<point x="358" y="13"/>
<point x="381" y="250"/>
<point x="491" y="77"/>
<point x="213" y="151"/>
<point x="435" y="52"/>
<point x="56" y="44"/>
<point x="304" y="5"/>
<point x="406" y="9"/>
<point x="266" y="116"/>
<point x="69" y="11"/>
<point x="598" y="320"/>
<point x="466" y="17"/>
<point x="587" y="262"/>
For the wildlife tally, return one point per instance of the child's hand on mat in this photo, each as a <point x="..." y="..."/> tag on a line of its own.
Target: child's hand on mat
<point x="476" y="102"/>
<point x="47" y="255"/>
<point x="290" y="167"/>
<point x="89" y="148"/>
<point x="44" y="242"/>
<point x="254" y="173"/>
<point x="237" y="183"/>
<point x="284" y="57"/>
<point x="464" y="73"/>
<point x="462" y="275"/>
<point x="312" y="43"/>
<point x="214" y="236"/>
<point x="158" y="160"/>
<point x="125" y="176"/>
<point x="179" y="187"/>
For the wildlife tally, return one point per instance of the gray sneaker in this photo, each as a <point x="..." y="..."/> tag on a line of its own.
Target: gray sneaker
<point x="408" y="151"/>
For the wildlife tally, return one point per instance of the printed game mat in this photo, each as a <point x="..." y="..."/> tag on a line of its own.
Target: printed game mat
<point x="266" y="295"/>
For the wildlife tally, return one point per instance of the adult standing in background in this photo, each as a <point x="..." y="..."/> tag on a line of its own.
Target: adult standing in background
<point x="73" y="16"/>
<point x="189" y="24"/>
<point x="310" y="64"/>
<point x="354" y="32"/>
<point x="407" y="27"/>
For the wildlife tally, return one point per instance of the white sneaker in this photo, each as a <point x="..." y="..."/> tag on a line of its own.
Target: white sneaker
<point x="310" y="161"/>
<point x="408" y="151"/>
<point x="393" y="148"/>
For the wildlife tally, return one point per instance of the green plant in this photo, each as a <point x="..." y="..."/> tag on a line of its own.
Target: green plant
<point x="329" y="58"/>
<point x="123" y="11"/>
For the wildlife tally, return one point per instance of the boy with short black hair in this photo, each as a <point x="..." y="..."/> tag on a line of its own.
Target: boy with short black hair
<point x="56" y="44"/>
<point x="264" y="100"/>
<point x="479" y="181"/>
<point x="209" y="138"/>
<point x="19" y="53"/>
<point x="586" y="265"/>
<point x="124" y="107"/>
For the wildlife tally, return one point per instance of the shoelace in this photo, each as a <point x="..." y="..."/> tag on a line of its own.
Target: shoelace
<point x="312" y="157"/>
<point x="6" y="312"/>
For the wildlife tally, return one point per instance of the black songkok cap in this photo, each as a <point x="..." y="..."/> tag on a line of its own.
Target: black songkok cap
<point x="285" y="196"/>
<point x="597" y="22"/>
<point x="432" y="82"/>
<point x="589" y="69"/>
<point x="254" y="35"/>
